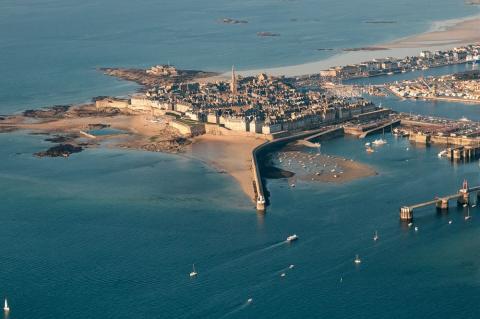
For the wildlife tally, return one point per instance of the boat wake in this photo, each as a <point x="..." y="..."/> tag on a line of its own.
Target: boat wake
<point x="238" y="308"/>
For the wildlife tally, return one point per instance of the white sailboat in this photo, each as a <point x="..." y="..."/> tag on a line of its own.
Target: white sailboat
<point x="6" y="308"/>
<point x="468" y="214"/>
<point x="375" y="237"/>
<point x="194" y="272"/>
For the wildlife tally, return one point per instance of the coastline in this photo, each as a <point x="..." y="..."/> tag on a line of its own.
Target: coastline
<point x="440" y="36"/>
<point x="217" y="151"/>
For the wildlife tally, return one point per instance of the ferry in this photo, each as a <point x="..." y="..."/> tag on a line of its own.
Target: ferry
<point x="292" y="238"/>
<point x="194" y="272"/>
<point x="357" y="260"/>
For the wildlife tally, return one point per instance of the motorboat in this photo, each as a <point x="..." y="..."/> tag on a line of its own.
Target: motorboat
<point x="442" y="153"/>
<point x="379" y="142"/>
<point x="357" y="260"/>
<point x="292" y="238"/>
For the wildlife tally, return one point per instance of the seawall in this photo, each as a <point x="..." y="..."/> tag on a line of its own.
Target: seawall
<point x="262" y="150"/>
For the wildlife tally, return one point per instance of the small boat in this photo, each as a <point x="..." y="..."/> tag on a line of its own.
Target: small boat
<point x="357" y="260"/>
<point x="6" y="308"/>
<point x="370" y="150"/>
<point x="442" y="153"/>
<point x="465" y="205"/>
<point x="292" y="238"/>
<point x="291" y="266"/>
<point x="379" y="141"/>
<point x="282" y="274"/>
<point x="410" y="224"/>
<point x="194" y="272"/>
<point x="292" y="185"/>
<point x="375" y="237"/>
<point x="468" y="215"/>
<point x="367" y="144"/>
<point x="249" y="300"/>
<point x="474" y="205"/>
<point x="416" y="228"/>
<point x="450" y="222"/>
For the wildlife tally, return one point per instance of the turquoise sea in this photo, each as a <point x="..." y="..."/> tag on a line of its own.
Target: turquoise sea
<point x="113" y="233"/>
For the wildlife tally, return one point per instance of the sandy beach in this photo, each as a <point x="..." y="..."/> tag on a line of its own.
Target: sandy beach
<point x="232" y="154"/>
<point x="442" y="35"/>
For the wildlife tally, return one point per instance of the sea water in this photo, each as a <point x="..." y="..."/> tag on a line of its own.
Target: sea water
<point x="113" y="233"/>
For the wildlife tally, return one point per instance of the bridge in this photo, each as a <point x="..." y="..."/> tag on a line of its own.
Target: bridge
<point x="380" y="128"/>
<point x="462" y="197"/>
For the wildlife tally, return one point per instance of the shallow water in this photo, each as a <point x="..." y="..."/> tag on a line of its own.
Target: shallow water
<point x="113" y="233"/>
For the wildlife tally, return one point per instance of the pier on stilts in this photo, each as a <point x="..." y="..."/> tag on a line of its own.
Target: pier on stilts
<point x="441" y="203"/>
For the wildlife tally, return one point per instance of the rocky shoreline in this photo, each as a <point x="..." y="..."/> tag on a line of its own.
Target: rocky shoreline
<point x="61" y="150"/>
<point x="141" y="77"/>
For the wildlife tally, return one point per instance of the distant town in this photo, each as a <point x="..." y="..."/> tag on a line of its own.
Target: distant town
<point x="388" y="66"/>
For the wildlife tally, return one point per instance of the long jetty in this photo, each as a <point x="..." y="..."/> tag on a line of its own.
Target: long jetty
<point x="266" y="147"/>
<point x="441" y="203"/>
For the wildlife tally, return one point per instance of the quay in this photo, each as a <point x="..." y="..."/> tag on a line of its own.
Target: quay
<point x="362" y="131"/>
<point x="441" y="203"/>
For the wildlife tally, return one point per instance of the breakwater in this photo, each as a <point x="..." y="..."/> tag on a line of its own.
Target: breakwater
<point x="260" y="152"/>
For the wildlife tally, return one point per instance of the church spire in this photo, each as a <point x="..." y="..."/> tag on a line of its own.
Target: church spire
<point x="233" y="83"/>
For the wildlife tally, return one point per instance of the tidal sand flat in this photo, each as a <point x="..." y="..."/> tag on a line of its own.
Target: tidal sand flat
<point x="71" y="125"/>
<point x="317" y="167"/>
